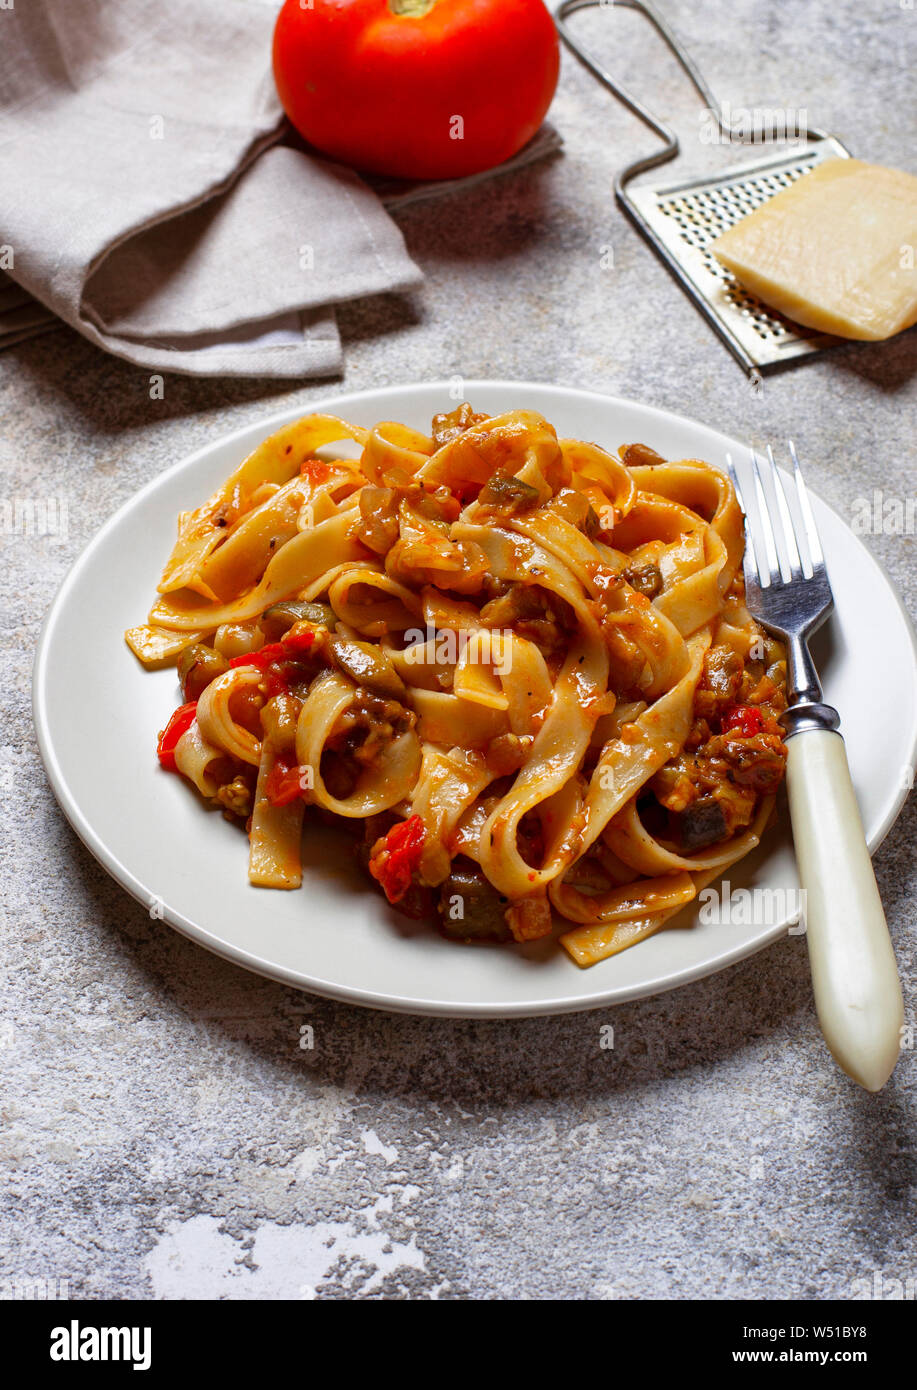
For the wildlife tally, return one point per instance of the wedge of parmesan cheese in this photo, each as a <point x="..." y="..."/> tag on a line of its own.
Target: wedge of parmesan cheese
<point x="836" y="251"/>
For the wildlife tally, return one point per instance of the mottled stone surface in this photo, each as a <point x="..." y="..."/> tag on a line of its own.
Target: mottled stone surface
<point x="163" y="1131"/>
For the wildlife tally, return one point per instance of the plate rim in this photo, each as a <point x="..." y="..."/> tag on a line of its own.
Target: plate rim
<point x="363" y="998"/>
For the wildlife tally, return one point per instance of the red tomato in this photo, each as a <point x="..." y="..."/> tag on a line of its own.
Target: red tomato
<point x="746" y="720"/>
<point x="316" y="471"/>
<point x="396" y="857"/>
<point x="261" y="658"/>
<point x="296" y="644"/>
<point x="293" y="646"/>
<point x="179" y="724"/>
<point x="285" y="783"/>
<point x="421" y="89"/>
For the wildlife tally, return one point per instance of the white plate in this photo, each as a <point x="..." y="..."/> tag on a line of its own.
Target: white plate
<point x="97" y="713"/>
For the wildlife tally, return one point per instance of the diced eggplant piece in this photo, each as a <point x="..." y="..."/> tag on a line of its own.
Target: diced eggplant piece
<point x="640" y="455"/>
<point x="284" y="615"/>
<point x="720" y="682"/>
<point x="197" y="667"/>
<point x="279" y="717"/>
<point x="723" y="671"/>
<point x="506" y="494"/>
<point x="366" y="664"/>
<point x="646" y="579"/>
<point x="702" y="824"/>
<point x="575" y="507"/>
<point x="755" y="762"/>
<point x="482" y="908"/>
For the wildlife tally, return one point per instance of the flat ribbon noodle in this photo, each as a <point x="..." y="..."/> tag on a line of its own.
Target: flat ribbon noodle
<point x="275" y="460"/>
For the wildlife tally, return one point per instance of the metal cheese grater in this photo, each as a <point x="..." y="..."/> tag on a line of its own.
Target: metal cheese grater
<point x="681" y="217"/>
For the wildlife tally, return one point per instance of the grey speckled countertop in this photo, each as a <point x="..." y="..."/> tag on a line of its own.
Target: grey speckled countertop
<point x="163" y="1133"/>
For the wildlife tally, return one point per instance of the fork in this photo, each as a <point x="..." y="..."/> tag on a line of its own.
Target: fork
<point x="854" y="975"/>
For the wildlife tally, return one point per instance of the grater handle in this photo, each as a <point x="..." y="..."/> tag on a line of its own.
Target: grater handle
<point x="687" y="63"/>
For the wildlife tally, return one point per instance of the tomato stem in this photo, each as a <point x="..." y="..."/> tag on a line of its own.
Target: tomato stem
<point x="411" y="9"/>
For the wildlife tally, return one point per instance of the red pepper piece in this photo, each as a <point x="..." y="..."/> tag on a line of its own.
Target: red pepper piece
<point x="397" y="857"/>
<point x="284" y="784"/>
<point x="272" y="652"/>
<point x="179" y="724"/>
<point x="290" y="646"/>
<point x="276" y="660"/>
<point x="297" y="643"/>
<point x="316" y="471"/>
<point x="744" y="719"/>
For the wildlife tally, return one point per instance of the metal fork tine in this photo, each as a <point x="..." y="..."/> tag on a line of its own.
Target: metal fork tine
<point x="735" y="483"/>
<point x="805" y="506"/>
<point x="770" y="542"/>
<point x="783" y="507"/>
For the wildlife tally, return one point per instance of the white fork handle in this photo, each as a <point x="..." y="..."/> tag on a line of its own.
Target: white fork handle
<point x="854" y="975"/>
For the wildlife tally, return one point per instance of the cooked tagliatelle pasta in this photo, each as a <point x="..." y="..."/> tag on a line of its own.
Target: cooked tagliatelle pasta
<point x="523" y="663"/>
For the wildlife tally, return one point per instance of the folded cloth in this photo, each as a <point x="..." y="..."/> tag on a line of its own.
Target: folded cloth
<point x="146" y="199"/>
<point x="21" y="316"/>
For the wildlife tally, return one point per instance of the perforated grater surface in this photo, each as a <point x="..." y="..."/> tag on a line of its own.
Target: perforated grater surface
<point x="681" y="218"/>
